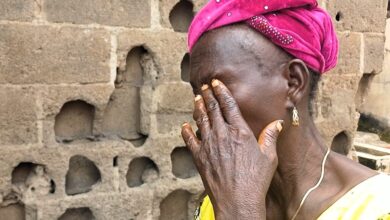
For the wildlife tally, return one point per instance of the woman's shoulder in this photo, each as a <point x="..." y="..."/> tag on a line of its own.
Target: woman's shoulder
<point x="368" y="200"/>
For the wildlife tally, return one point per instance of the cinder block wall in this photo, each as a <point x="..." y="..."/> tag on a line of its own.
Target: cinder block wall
<point x="93" y="94"/>
<point x="377" y="102"/>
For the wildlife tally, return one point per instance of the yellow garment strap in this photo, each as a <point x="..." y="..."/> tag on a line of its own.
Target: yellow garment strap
<point x="206" y="210"/>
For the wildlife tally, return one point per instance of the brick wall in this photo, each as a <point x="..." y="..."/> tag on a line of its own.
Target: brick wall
<point x="93" y="94"/>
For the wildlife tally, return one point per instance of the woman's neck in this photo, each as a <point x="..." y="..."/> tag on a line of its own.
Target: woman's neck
<point x="301" y="151"/>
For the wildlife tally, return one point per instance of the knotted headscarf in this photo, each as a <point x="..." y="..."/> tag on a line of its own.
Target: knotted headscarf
<point x="300" y="27"/>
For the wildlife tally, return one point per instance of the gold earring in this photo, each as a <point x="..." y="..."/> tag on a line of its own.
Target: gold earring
<point x="295" y="117"/>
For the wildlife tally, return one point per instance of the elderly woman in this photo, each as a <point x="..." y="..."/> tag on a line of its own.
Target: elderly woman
<point x="255" y="65"/>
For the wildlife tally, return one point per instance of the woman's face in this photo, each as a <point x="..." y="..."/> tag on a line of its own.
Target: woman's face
<point x="250" y="66"/>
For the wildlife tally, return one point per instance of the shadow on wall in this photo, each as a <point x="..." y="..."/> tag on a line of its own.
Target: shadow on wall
<point x="141" y="170"/>
<point x="185" y="68"/>
<point x="13" y="212"/>
<point x="74" y="122"/>
<point x="175" y="206"/>
<point x="32" y="179"/>
<point x="341" y="143"/>
<point x="81" y="176"/>
<point x="181" y="16"/>
<point x="363" y="89"/>
<point x="183" y="165"/>
<point x="83" y="213"/>
<point x="372" y="124"/>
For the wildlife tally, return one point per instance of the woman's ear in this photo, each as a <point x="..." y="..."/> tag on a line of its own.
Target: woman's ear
<point x="298" y="78"/>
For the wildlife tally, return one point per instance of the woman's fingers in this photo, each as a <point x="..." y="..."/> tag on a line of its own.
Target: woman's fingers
<point x="190" y="139"/>
<point x="269" y="136"/>
<point x="200" y="116"/>
<point x="229" y="107"/>
<point x="213" y="109"/>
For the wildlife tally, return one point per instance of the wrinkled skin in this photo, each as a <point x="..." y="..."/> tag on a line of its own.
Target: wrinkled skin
<point x="259" y="84"/>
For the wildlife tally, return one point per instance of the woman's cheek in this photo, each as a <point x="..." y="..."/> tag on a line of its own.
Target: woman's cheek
<point x="251" y="108"/>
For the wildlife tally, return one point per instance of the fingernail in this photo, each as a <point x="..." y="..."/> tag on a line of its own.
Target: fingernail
<point x="184" y="124"/>
<point x="205" y="86"/>
<point x="215" y="82"/>
<point x="198" y="97"/>
<point x="279" y="125"/>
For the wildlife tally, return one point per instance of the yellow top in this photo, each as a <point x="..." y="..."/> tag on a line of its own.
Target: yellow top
<point x="368" y="200"/>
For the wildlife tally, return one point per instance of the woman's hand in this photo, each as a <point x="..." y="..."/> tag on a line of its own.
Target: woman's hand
<point x="236" y="170"/>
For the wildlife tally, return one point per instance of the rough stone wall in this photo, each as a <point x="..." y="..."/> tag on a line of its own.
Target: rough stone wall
<point x="377" y="102"/>
<point x="360" y="26"/>
<point x="93" y="94"/>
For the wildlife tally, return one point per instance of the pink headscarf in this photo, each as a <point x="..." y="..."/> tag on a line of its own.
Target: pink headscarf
<point x="300" y="27"/>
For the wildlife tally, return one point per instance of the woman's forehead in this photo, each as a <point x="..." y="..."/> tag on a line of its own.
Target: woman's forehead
<point x="233" y="48"/>
<point x="231" y="41"/>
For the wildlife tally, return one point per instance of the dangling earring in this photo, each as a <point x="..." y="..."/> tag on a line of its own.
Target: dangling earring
<point x="295" y="117"/>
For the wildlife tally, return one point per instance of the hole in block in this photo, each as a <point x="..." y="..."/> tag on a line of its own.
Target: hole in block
<point x="122" y="116"/>
<point x="52" y="186"/>
<point x="115" y="161"/>
<point x="341" y="143"/>
<point x="339" y="16"/>
<point x="182" y="163"/>
<point x="141" y="170"/>
<point x="21" y="172"/>
<point x="364" y="87"/>
<point x="368" y="163"/>
<point x="388" y="9"/>
<point x="175" y="206"/>
<point x="81" y="176"/>
<point x="77" y="214"/>
<point x="15" y="211"/>
<point x="185" y="68"/>
<point x="140" y="141"/>
<point x="376" y="125"/>
<point x="75" y="121"/>
<point x="33" y="177"/>
<point x="181" y="16"/>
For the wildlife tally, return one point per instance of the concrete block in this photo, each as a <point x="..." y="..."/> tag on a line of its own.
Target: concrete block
<point x="18" y="115"/>
<point x="46" y="54"/>
<point x="170" y="124"/>
<point x="358" y="15"/>
<point x="167" y="62"/>
<point x="17" y="10"/>
<point x="55" y="97"/>
<point x="350" y="54"/>
<point x="100" y="156"/>
<point x="336" y="113"/>
<point x="375" y="104"/>
<point x="54" y="165"/>
<point x="174" y="97"/>
<point x="373" y="52"/>
<point x="128" y="13"/>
